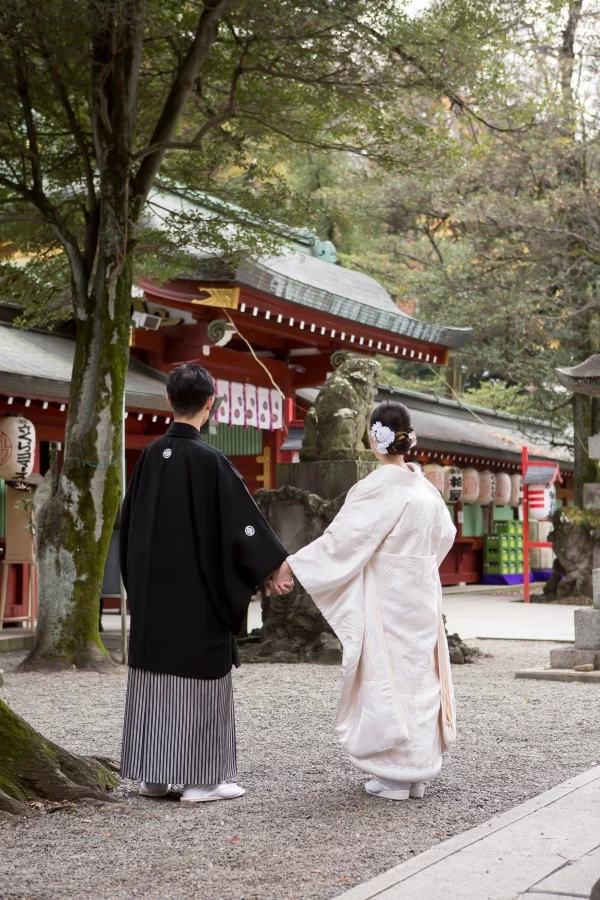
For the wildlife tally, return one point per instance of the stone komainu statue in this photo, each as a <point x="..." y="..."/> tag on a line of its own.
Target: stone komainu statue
<point x="337" y="426"/>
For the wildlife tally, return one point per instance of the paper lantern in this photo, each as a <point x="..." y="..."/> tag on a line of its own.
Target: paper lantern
<point x="435" y="474"/>
<point x="453" y="484"/>
<point x="503" y="489"/>
<point x="223" y="412"/>
<point x="238" y="404"/>
<point x="17" y="448"/>
<point x="515" y="489"/>
<point x="487" y="487"/>
<point x="542" y="501"/>
<point x="264" y="408"/>
<point x="471" y="487"/>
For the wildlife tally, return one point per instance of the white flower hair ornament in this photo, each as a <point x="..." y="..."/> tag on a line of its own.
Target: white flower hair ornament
<point x="384" y="437"/>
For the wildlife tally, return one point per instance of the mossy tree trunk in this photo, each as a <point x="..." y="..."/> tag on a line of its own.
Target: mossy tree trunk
<point x="77" y="505"/>
<point x="75" y="523"/>
<point x="33" y="769"/>
<point x="585" y="469"/>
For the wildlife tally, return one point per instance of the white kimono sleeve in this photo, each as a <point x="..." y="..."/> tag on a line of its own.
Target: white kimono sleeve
<point x="370" y="512"/>
<point x="447" y="535"/>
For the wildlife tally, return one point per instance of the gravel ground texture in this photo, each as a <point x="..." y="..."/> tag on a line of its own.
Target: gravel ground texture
<point x="306" y="829"/>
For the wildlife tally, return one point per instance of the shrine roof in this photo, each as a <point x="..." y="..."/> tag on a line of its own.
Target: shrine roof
<point x="454" y="427"/>
<point x="345" y="293"/>
<point x="41" y="363"/>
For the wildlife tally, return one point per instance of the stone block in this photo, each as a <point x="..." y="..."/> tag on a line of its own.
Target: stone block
<point x="587" y="629"/>
<point x="567" y="675"/>
<point x="594" y="446"/>
<point x="325" y="478"/>
<point x="569" y="657"/>
<point x="591" y="496"/>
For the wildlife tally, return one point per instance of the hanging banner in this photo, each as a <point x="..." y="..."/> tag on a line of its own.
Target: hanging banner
<point x="224" y="410"/>
<point x="17" y="448"/>
<point x="237" y="403"/>
<point x="276" y="410"/>
<point x="264" y="408"/>
<point x="251" y="405"/>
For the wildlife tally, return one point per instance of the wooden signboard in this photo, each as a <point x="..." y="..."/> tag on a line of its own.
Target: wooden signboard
<point x="19" y="540"/>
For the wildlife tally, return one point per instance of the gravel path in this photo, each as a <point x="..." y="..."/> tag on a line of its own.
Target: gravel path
<point x="306" y="830"/>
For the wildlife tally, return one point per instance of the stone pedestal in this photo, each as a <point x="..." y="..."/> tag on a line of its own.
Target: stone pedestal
<point x="587" y="621"/>
<point x="325" y="478"/>
<point x="293" y="628"/>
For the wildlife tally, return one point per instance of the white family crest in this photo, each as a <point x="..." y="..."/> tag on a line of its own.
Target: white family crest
<point x="249" y="530"/>
<point x="167" y="452"/>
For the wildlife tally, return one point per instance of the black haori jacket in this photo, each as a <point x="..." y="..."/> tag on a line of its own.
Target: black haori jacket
<point x="194" y="546"/>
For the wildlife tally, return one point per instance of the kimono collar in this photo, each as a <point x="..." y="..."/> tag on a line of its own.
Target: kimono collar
<point x="183" y="429"/>
<point x="398" y="474"/>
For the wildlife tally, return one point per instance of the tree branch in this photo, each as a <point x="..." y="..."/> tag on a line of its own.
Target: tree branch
<point x="179" y="93"/>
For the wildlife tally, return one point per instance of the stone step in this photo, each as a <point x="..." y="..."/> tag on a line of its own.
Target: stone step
<point x="13" y="639"/>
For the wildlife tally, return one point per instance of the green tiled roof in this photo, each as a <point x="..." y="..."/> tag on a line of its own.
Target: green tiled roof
<point x="340" y="292"/>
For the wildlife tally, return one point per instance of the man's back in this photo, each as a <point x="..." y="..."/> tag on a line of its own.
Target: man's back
<point x="194" y="545"/>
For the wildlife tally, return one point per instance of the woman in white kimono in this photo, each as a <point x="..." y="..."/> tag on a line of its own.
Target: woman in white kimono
<point x="374" y="576"/>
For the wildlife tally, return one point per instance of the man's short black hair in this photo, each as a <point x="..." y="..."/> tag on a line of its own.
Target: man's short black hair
<point x="189" y="387"/>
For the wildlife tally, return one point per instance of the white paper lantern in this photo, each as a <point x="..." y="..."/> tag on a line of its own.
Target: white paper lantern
<point x="516" y="481"/>
<point x="542" y="501"/>
<point x="503" y="489"/>
<point x="17" y="448"/>
<point x="435" y="474"/>
<point x="471" y="486"/>
<point x="487" y="487"/>
<point x="453" y="484"/>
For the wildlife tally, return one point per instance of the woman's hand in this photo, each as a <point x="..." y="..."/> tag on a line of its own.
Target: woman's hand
<point x="280" y="582"/>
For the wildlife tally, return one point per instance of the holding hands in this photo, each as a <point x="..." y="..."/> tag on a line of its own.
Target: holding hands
<point x="280" y="582"/>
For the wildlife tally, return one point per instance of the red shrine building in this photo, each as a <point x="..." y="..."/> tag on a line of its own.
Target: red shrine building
<point x="267" y="331"/>
<point x="264" y="331"/>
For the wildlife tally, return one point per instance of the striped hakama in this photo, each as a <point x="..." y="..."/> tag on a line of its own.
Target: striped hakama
<point x="178" y="730"/>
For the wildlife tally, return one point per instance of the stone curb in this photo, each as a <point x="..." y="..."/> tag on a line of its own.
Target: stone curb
<point x="393" y="877"/>
<point x="559" y="675"/>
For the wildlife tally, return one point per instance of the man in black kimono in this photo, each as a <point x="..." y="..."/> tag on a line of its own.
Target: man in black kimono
<point x="194" y="546"/>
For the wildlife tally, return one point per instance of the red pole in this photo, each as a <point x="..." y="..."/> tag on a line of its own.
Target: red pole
<point x="524" y="466"/>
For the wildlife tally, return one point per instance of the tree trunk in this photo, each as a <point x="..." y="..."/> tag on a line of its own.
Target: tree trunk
<point x="75" y="523"/>
<point x="34" y="769"/>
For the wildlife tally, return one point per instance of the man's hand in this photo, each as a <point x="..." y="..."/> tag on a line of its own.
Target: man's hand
<point x="280" y="582"/>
